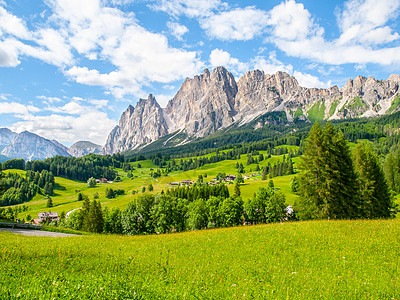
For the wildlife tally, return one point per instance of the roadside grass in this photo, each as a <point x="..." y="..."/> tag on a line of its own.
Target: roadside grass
<point x="301" y="260"/>
<point x="63" y="230"/>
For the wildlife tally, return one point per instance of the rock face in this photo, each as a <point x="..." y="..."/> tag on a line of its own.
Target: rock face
<point x="140" y="125"/>
<point x="6" y="137"/>
<point x="203" y="104"/>
<point x="30" y="146"/>
<point x="83" y="148"/>
<point x="213" y="100"/>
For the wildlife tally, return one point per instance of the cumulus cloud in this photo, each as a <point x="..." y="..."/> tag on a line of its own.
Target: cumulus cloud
<point x="360" y="22"/>
<point x="75" y="120"/>
<point x="17" y="108"/>
<point x="190" y="8"/>
<point x="113" y="36"/>
<point x="100" y="32"/>
<point x="91" y="125"/>
<point x="219" y="57"/>
<point x="12" y="25"/>
<point x="177" y="30"/>
<point x="48" y="100"/>
<point x="291" y="21"/>
<point x="364" y="21"/>
<point x="238" y="24"/>
<point x="271" y="65"/>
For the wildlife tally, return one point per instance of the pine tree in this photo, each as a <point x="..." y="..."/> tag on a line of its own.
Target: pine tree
<point x="374" y="191"/>
<point x="328" y="182"/>
<point x="236" y="192"/>
<point x="392" y="170"/>
<point x="49" y="201"/>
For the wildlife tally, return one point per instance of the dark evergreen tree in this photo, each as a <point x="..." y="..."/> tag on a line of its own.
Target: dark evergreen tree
<point x="328" y="181"/>
<point x="49" y="202"/>
<point x="376" y="201"/>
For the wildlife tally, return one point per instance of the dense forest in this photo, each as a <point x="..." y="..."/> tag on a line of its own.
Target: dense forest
<point x="76" y="168"/>
<point x="16" y="189"/>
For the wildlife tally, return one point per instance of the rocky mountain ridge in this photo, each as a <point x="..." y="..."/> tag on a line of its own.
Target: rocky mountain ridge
<point x="214" y="100"/>
<point x="30" y="146"/>
<point x="83" y="148"/>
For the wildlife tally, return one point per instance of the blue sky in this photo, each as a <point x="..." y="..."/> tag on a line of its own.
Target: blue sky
<point x="69" y="68"/>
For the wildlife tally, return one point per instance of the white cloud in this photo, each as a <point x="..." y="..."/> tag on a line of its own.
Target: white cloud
<point x="163" y="99"/>
<point x="364" y="21"/>
<point x="50" y="100"/>
<point x="304" y="39"/>
<point x="12" y="25"/>
<point x="190" y="8"/>
<point x="16" y="39"/>
<point x="139" y="57"/>
<point x="219" y="57"/>
<point x="76" y="120"/>
<point x="17" y="108"/>
<point x="98" y="103"/>
<point x="238" y="24"/>
<point x="98" y="32"/>
<point x="273" y="65"/>
<point x="91" y="125"/>
<point x="9" y="53"/>
<point x="291" y="21"/>
<point x="310" y="81"/>
<point x="177" y="30"/>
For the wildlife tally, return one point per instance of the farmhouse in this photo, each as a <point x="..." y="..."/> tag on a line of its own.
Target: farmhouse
<point x="230" y="178"/>
<point x="101" y="180"/>
<point x="186" y="182"/>
<point x="46" y="216"/>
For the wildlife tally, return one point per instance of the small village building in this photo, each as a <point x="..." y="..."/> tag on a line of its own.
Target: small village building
<point x="173" y="183"/>
<point x="47" y="216"/>
<point x="230" y="177"/>
<point x="102" y="180"/>
<point x="186" y="182"/>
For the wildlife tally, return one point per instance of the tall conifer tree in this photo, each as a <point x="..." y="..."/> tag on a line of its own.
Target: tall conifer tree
<point x="328" y="181"/>
<point x="374" y="191"/>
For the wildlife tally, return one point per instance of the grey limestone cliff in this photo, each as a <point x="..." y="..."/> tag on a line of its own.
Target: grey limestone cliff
<point x="213" y="100"/>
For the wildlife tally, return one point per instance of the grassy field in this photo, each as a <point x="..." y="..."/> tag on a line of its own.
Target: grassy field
<point x="66" y="191"/>
<point x="303" y="260"/>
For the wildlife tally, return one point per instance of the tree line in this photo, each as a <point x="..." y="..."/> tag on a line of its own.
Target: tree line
<point x="163" y="213"/>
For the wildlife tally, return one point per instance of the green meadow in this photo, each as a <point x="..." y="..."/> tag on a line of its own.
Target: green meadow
<point x="301" y="260"/>
<point x="66" y="191"/>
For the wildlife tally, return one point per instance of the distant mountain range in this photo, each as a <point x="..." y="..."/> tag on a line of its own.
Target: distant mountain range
<point x="30" y="146"/>
<point x="214" y="100"/>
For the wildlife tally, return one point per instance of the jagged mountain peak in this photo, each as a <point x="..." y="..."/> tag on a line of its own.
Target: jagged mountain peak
<point x="394" y="78"/>
<point x="214" y="100"/>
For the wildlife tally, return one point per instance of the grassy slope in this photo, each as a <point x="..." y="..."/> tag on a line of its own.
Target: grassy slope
<point x="66" y="191"/>
<point x="304" y="260"/>
<point x="317" y="111"/>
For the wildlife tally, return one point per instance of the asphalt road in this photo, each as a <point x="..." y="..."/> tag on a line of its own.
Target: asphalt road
<point x="30" y="232"/>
